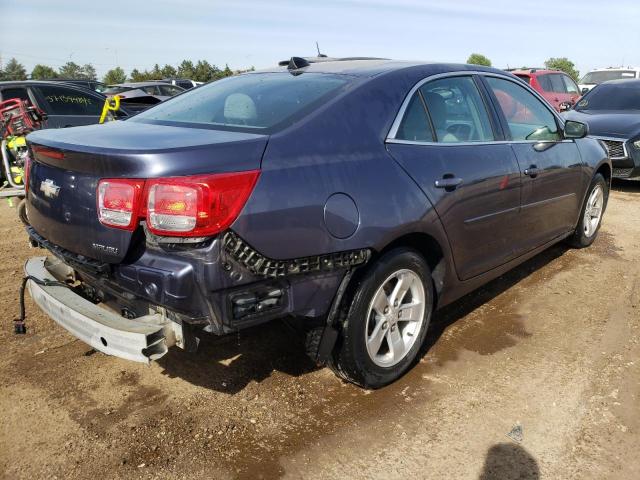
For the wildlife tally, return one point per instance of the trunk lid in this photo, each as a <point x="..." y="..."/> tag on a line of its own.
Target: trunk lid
<point x="68" y="163"/>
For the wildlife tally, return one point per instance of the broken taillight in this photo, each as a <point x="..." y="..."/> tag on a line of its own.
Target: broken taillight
<point x="119" y="202"/>
<point x="197" y="206"/>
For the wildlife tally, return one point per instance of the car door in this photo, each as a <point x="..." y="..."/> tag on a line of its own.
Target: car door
<point x="552" y="167"/>
<point x="68" y="106"/>
<point x="449" y="142"/>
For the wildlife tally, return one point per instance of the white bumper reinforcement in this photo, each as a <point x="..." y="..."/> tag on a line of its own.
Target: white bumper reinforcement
<point x="141" y="339"/>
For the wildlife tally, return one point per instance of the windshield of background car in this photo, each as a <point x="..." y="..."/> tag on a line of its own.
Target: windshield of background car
<point x="616" y="96"/>
<point x="254" y="102"/>
<point x="606" y="75"/>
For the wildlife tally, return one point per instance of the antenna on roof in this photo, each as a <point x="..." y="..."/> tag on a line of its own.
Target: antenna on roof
<point x="320" y="55"/>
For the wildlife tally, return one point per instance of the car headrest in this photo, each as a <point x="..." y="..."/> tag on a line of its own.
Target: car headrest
<point x="240" y="107"/>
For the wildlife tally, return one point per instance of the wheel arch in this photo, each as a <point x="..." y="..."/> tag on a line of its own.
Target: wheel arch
<point x="605" y="170"/>
<point x="431" y="251"/>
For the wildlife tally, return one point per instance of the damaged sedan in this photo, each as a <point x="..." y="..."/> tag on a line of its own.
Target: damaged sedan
<point x="357" y="195"/>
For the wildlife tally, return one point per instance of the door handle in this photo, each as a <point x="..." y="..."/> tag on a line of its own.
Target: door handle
<point x="448" y="182"/>
<point x="532" y="171"/>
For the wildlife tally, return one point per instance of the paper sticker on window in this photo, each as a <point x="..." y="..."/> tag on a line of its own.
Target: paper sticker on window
<point x="631" y="75"/>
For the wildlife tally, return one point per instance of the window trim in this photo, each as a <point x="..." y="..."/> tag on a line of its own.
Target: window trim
<point x="391" y="135"/>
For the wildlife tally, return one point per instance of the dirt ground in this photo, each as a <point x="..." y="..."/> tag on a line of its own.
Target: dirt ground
<point x="536" y="375"/>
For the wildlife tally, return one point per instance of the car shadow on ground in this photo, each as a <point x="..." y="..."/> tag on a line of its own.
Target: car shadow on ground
<point x="509" y="460"/>
<point x="228" y="364"/>
<point x="626" y="186"/>
<point x="450" y="314"/>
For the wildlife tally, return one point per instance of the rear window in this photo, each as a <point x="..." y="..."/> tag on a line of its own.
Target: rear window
<point x="525" y="78"/>
<point x="606" y="75"/>
<point x="256" y="102"/>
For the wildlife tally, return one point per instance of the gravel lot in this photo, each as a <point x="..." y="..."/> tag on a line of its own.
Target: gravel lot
<point x="536" y="375"/>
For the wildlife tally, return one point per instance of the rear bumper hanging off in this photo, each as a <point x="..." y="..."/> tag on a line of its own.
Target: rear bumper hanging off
<point x="141" y="339"/>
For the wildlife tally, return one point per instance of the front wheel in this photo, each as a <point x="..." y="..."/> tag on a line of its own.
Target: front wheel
<point x="591" y="214"/>
<point x="387" y="320"/>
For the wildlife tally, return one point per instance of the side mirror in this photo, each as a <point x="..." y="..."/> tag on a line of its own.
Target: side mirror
<point x="565" y="106"/>
<point x="584" y="90"/>
<point x="573" y="129"/>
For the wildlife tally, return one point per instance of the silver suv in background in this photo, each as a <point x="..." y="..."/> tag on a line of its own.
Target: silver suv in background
<point x="601" y="75"/>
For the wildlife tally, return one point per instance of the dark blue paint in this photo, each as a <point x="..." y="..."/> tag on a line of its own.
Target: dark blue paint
<point x="386" y="192"/>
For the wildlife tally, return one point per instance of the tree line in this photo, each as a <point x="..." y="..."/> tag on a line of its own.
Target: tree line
<point x="200" y="71"/>
<point x="555" y="63"/>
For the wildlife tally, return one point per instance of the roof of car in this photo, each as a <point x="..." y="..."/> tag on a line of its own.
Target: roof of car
<point x="372" y="67"/>
<point x="609" y="69"/>
<point x="47" y="82"/>
<point x="36" y="82"/>
<point x="627" y="82"/>
<point x="139" y="84"/>
<point x="533" y="71"/>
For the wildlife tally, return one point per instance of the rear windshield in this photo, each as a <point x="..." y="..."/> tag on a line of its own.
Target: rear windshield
<point x="525" y="78"/>
<point x="596" y="78"/>
<point x="612" y="96"/>
<point x="252" y="102"/>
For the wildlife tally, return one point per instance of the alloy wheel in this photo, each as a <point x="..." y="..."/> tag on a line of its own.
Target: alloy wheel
<point x="593" y="211"/>
<point x="394" y="318"/>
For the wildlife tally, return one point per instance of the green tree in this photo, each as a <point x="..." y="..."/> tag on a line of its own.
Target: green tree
<point x="156" y="73"/>
<point x="563" y="64"/>
<point x="13" y="70"/>
<point x="205" y="72"/>
<point x="43" y="72"/>
<point x="70" y="71"/>
<point x="138" y="76"/>
<point x="87" y="71"/>
<point x="168" y="71"/>
<point x="115" y="75"/>
<point x="186" y="69"/>
<point x="478" y="59"/>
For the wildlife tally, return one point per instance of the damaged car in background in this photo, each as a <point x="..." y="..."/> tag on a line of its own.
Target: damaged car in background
<point x="357" y="196"/>
<point x="138" y="96"/>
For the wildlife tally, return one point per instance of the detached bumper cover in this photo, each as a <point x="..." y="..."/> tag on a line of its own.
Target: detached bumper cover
<point x="140" y="340"/>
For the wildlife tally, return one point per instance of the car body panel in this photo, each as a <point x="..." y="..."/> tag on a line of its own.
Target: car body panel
<point x="117" y="150"/>
<point x="339" y="149"/>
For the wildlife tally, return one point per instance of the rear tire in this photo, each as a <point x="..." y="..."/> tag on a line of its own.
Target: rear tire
<point x="591" y="214"/>
<point x="386" y="320"/>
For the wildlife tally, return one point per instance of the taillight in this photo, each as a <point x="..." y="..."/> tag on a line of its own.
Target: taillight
<point x="197" y="206"/>
<point x="119" y="202"/>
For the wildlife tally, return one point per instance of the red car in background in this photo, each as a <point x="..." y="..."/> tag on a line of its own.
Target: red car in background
<point x="555" y="86"/>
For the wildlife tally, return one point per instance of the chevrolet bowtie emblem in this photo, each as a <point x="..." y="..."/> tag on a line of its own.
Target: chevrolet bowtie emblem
<point x="49" y="188"/>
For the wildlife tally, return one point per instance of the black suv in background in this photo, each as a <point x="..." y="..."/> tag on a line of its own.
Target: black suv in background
<point x="66" y="105"/>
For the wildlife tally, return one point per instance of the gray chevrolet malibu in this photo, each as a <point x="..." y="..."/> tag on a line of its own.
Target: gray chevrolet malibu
<point x="356" y="195"/>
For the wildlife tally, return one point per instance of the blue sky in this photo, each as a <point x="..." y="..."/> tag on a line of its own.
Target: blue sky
<point x="259" y="33"/>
